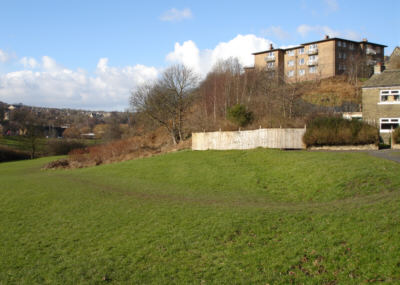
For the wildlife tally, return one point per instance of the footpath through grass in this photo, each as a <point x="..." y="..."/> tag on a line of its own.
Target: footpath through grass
<point x="248" y="217"/>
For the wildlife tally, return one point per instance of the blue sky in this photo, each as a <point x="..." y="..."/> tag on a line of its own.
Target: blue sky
<point x="90" y="54"/>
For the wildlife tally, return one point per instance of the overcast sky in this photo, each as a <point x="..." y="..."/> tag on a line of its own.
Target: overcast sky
<point x="91" y="54"/>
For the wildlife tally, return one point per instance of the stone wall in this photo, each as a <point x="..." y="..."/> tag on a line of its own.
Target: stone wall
<point x="268" y="138"/>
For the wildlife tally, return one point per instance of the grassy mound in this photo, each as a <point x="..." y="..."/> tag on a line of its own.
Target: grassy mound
<point x="254" y="217"/>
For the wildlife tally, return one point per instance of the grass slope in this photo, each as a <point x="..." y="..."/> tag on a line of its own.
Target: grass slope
<point x="254" y="217"/>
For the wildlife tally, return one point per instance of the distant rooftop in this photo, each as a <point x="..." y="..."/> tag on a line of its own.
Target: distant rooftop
<point x="326" y="39"/>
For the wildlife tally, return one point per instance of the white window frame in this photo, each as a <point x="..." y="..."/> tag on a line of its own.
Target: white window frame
<point x="290" y="52"/>
<point x="302" y="72"/>
<point x="301" y="50"/>
<point x="312" y="69"/>
<point x="390" y="121"/>
<point x="344" y="44"/>
<point x="339" y="43"/>
<point x="290" y="62"/>
<point x="302" y="61"/>
<point x="271" y="64"/>
<point x="313" y="47"/>
<point x="290" y="73"/>
<point x="271" y="54"/>
<point x="351" y="46"/>
<point x="386" y="93"/>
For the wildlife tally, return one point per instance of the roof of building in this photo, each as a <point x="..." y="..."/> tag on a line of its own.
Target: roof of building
<point x="341" y="39"/>
<point x="320" y="41"/>
<point x="390" y="77"/>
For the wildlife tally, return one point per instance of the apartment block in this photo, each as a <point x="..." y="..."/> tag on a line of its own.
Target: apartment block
<point x="319" y="59"/>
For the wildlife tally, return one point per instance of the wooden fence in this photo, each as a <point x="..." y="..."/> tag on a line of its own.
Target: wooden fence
<point x="268" y="138"/>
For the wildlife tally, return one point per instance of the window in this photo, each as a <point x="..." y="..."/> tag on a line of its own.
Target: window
<point x="390" y="97"/>
<point x="271" y="64"/>
<point x="342" y="55"/>
<point x="388" y="124"/>
<point x="301" y="51"/>
<point x="314" y="46"/>
<point x="302" y="72"/>
<point x="339" y="43"/>
<point x="342" y="67"/>
<point x="290" y="63"/>
<point x="312" y="69"/>
<point x="351" y="46"/>
<point x="302" y="61"/>
<point x="271" y="55"/>
<point x="344" y="44"/>
<point x="290" y="52"/>
<point x="290" y="73"/>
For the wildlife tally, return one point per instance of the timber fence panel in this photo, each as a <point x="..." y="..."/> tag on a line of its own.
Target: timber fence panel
<point x="268" y="138"/>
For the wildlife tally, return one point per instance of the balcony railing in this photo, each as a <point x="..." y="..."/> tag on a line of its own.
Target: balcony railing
<point x="270" y="58"/>
<point x="313" y="51"/>
<point x="370" y="51"/>
<point x="312" y="62"/>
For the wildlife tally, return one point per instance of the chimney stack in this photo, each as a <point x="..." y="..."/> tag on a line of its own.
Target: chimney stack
<point x="365" y="40"/>
<point x="378" y="68"/>
<point x="326" y="37"/>
<point x="271" y="46"/>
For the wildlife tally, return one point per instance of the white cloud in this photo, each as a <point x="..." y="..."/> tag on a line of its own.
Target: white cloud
<point x="175" y="15"/>
<point x="4" y="56"/>
<point x="242" y="47"/>
<point x="44" y="82"/>
<point x="304" y="30"/>
<point x="331" y="5"/>
<point x="276" y="31"/>
<point x="29" y="62"/>
<point x="55" y="86"/>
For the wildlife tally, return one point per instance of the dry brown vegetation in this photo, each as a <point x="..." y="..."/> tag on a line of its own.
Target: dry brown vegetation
<point x="138" y="146"/>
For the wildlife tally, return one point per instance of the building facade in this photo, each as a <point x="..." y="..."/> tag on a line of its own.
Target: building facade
<point x="319" y="59"/>
<point x="381" y="98"/>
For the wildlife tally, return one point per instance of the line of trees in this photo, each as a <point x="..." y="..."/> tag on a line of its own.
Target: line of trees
<point x="180" y="103"/>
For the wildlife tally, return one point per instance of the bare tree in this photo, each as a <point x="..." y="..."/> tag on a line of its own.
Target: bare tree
<point x="167" y="100"/>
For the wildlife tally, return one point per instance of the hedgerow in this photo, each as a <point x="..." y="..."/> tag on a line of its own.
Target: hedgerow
<point x="338" y="131"/>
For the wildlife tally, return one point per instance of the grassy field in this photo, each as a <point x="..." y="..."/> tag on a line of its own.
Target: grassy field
<point x="215" y="217"/>
<point x="23" y="144"/>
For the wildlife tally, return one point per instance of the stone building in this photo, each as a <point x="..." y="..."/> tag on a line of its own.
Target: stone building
<point x="381" y="97"/>
<point x="319" y="59"/>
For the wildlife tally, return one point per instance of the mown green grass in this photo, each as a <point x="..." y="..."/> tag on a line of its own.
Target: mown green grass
<point x="23" y="143"/>
<point x="230" y="217"/>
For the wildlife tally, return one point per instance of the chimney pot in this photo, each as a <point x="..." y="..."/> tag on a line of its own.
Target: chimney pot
<point x="271" y="46"/>
<point x="365" y="40"/>
<point x="326" y="37"/>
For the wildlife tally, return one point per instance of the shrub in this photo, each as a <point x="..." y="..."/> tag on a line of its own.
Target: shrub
<point x="239" y="115"/>
<point x="338" y="131"/>
<point x="8" y="154"/>
<point x="63" y="147"/>
<point x="396" y="135"/>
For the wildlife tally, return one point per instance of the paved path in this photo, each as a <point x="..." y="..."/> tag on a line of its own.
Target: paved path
<point x="390" y="154"/>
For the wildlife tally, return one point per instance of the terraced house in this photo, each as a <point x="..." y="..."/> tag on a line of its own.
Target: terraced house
<point x="381" y="96"/>
<point x="319" y="59"/>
